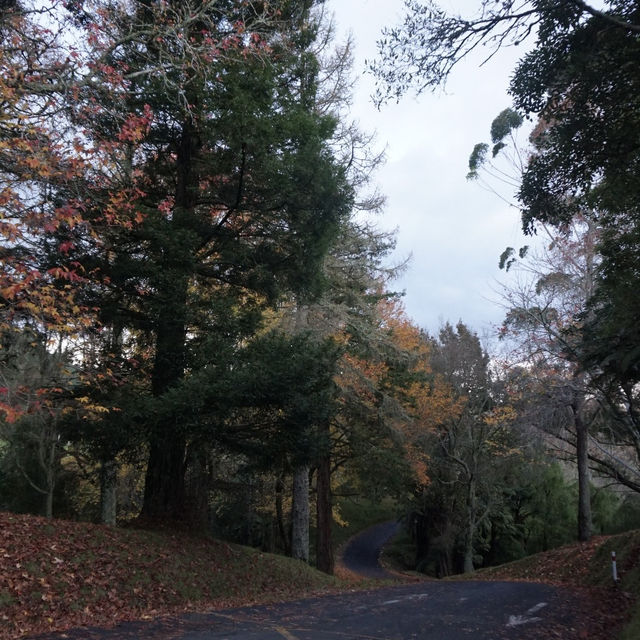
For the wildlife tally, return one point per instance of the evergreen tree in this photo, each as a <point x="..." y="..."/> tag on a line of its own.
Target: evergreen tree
<point x="235" y="191"/>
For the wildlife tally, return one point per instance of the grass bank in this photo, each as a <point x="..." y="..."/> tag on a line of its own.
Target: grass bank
<point x="56" y="574"/>
<point x="587" y="567"/>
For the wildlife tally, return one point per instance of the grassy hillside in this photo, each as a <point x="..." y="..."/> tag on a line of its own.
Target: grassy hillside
<point x="58" y="574"/>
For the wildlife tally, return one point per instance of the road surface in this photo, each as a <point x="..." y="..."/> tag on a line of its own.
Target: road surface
<point x="429" y="610"/>
<point x="362" y="553"/>
<point x="425" y="611"/>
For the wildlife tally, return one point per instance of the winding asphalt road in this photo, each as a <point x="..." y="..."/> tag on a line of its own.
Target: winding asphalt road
<point x="429" y="610"/>
<point x="362" y="553"/>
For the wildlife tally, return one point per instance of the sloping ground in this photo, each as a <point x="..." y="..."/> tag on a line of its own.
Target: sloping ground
<point x="587" y="569"/>
<point x="56" y="574"/>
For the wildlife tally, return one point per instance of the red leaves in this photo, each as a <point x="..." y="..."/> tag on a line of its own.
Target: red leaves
<point x="136" y="127"/>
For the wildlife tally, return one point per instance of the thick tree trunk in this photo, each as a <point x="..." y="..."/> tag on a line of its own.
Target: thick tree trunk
<point x="324" y="549"/>
<point x="108" y="484"/>
<point x="197" y="484"/>
<point x="300" y="514"/>
<point x="165" y="491"/>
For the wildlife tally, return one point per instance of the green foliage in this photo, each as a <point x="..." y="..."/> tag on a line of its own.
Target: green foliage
<point x="357" y="513"/>
<point x="586" y="159"/>
<point x="502" y="126"/>
<point x="477" y="159"/>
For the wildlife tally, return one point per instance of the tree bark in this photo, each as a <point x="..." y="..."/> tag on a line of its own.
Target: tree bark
<point x="471" y="526"/>
<point x="164" y="490"/>
<point x="300" y="514"/>
<point x="282" y="530"/>
<point x="324" y="550"/>
<point x="51" y="471"/>
<point x="584" y="476"/>
<point x="48" y="505"/>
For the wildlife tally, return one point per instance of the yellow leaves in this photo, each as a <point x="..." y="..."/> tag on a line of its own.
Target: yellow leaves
<point x="500" y="416"/>
<point x="433" y="404"/>
<point x="89" y="409"/>
<point x="418" y="460"/>
<point x="98" y="408"/>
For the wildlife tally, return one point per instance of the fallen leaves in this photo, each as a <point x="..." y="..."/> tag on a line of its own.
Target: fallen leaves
<point x="577" y="568"/>
<point x="55" y="575"/>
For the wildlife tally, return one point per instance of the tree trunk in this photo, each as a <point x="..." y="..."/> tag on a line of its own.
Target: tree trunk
<point x="197" y="484"/>
<point x="165" y="491"/>
<point x="324" y="550"/>
<point x="584" y="476"/>
<point x="48" y="504"/>
<point x="108" y="484"/>
<point x="471" y="527"/>
<point x="50" y="473"/>
<point x="282" y="530"/>
<point x="300" y="514"/>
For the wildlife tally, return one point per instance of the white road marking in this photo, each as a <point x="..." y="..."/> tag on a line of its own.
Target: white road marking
<point x="516" y="621"/>
<point x="537" y="608"/>
<point x="413" y="596"/>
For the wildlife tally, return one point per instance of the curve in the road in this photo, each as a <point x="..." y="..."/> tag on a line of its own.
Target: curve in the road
<point x="362" y="553"/>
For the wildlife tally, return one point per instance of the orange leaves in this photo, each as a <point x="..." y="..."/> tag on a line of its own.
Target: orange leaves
<point x="433" y="404"/>
<point x="120" y="209"/>
<point x="361" y="377"/>
<point x="10" y="413"/>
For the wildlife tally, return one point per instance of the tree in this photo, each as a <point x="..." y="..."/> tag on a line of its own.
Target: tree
<point x="423" y="51"/>
<point x="598" y="127"/>
<point x="236" y="193"/>
<point x="543" y="323"/>
<point x="34" y="383"/>
<point x="586" y="156"/>
<point x="469" y="447"/>
<point x="553" y="287"/>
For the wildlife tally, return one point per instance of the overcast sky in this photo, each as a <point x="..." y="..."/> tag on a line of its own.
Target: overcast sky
<point x="454" y="229"/>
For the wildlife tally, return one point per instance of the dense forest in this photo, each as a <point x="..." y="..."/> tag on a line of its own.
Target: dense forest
<point x="199" y="327"/>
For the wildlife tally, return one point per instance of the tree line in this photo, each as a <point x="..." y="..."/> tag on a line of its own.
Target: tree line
<point x="198" y="323"/>
<point x="576" y="183"/>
